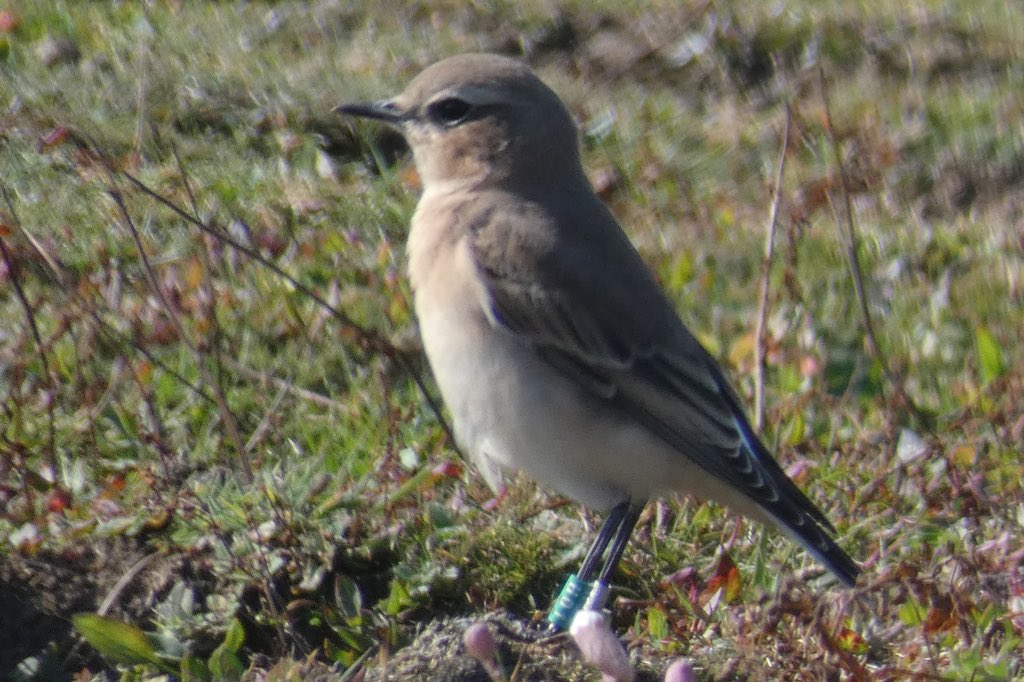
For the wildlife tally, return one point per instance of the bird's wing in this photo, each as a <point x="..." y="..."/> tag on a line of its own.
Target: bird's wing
<point x="593" y="311"/>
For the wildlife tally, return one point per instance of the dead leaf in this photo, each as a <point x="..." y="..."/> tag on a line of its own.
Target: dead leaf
<point x="726" y="578"/>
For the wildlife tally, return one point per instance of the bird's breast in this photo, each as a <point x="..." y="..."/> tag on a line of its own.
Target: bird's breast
<point x="510" y="410"/>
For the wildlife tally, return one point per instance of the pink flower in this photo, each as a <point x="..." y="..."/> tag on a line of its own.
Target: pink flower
<point x="600" y="647"/>
<point x="680" y="671"/>
<point x="480" y="644"/>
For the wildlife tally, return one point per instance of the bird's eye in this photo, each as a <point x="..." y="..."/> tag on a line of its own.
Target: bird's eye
<point x="449" y="112"/>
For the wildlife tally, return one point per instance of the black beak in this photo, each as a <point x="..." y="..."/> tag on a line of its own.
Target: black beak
<point x="384" y="110"/>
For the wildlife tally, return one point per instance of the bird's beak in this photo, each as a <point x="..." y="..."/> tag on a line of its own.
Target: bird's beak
<point x="384" y="110"/>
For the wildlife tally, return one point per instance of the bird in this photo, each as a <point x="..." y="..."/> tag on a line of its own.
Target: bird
<point x="554" y="347"/>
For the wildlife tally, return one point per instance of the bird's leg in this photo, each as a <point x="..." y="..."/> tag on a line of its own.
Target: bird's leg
<point x="604" y="536"/>
<point x="599" y="592"/>
<point x="618" y="525"/>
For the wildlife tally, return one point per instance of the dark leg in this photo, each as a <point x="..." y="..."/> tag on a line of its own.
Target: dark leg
<point x="599" y="588"/>
<point x="604" y="536"/>
<point x="578" y="588"/>
<point x="629" y="518"/>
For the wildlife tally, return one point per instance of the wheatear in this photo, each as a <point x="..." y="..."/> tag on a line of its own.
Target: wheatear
<point x="553" y="346"/>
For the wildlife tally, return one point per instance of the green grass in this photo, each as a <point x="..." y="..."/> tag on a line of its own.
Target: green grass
<point x="111" y="434"/>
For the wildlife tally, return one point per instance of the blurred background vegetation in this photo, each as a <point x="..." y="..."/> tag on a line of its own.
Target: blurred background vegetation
<point x="210" y="423"/>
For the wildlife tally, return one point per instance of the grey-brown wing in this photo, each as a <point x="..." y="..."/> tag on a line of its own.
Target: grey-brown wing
<point x="596" y="314"/>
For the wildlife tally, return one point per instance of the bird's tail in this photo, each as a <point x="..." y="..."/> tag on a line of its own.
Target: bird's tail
<point x="795" y="514"/>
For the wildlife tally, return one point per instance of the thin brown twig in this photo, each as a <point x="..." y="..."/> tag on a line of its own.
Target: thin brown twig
<point x="124" y="581"/>
<point x="245" y="467"/>
<point x="933" y="655"/>
<point x="370" y="340"/>
<point x="268" y="379"/>
<point x="120" y="340"/>
<point x="851" y="242"/>
<point x="202" y="510"/>
<point x="113" y="595"/>
<point x="390" y="352"/>
<point x="30" y="318"/>
<point x="274" y="600"/>
<point x="766" y="272"/>
<point x="156" y="423"/>
<point x="216" y="332"/>
<point x="54" y="264"/>
<point x="367" y="338"/>
<point x="261" y="429"/>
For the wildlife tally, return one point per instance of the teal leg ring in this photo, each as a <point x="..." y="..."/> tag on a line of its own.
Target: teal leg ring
<point x="570" y="599"/>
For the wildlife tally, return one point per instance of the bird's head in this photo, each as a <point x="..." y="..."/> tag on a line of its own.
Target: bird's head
<point x="479" y="120"/>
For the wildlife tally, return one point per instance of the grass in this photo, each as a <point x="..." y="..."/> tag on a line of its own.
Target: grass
<point x="130" y="418"/>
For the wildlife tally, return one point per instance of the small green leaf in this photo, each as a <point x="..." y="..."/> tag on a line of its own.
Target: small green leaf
<point x="225" y="665"/>
<point x="683" y="271"/>
<point x="657" y="624"/>
<point x="194" y="670"/>
<point x="795" y="430"/>
<point x="417" y="480"/>
<point x="347" y="597"/>
<point x="397" y="600"/>
<point x="235" y="636"/>
<point x="990" y="355"/>
<point x="224" y="661"/>
<point x="911" y="613"/>
<point x="118" y="642"/>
